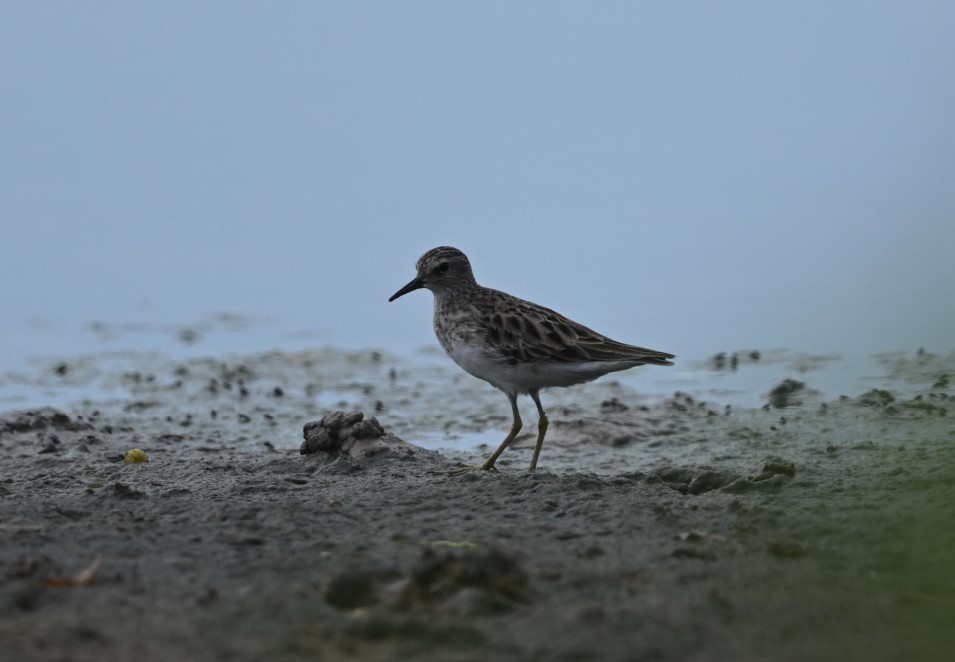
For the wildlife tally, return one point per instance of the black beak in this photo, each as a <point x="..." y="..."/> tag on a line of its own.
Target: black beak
<point x="416" y="284"/>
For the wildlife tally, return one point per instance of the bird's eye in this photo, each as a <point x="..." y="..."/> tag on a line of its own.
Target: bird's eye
<point x="441" y="268"/>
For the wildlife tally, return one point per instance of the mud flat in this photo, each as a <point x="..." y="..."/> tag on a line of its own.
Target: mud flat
<point x="808" y="529"/>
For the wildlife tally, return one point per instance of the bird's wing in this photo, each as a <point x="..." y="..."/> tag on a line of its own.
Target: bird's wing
<point x="520" y="331"/>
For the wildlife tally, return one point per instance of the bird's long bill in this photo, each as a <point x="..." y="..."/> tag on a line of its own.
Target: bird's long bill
<point x="416" y="284"/>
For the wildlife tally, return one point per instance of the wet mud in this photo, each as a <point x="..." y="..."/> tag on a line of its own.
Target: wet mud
<point x="271" y="521"/>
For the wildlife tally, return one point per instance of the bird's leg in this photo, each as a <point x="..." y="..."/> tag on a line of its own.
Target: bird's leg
<point x="515" y="428"/>
<point x="489" y="464"/>
<point x="541" y="430"/>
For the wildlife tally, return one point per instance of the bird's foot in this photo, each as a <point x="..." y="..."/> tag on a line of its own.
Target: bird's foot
<point x="468" y="468"/>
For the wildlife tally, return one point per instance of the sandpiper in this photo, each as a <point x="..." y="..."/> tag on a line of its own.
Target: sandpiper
<point x="516" y="346"/>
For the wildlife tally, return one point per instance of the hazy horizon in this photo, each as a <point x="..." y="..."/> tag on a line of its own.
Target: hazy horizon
<point x="689" y="178"/>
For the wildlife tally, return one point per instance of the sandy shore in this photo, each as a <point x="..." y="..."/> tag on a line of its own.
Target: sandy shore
<point x="675" y="530"/>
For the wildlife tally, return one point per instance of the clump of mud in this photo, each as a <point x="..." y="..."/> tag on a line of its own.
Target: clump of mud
<point x="464" y="578"/>
<point x="790" y="393"/>
<point x="351" y="435"/>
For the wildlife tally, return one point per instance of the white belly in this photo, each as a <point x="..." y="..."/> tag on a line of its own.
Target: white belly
<point x="527" y="377"/>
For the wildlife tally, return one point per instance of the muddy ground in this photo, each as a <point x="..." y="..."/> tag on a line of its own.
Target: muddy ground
<point x="810" y="529"/>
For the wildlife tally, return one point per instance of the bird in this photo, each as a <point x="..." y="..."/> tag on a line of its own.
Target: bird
<point x="517" y="346"/>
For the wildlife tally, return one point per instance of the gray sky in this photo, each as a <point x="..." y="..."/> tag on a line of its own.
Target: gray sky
<point x="689" y="176"/>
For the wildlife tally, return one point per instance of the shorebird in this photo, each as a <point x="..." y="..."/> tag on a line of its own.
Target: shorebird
<point x="516" y="346"/>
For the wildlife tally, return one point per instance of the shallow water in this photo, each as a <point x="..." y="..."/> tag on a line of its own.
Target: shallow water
<point x="32" y="347"/>
<point x="421" y="396"/>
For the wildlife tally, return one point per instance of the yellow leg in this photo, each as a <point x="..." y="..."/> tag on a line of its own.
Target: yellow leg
<point x="541" y="430"/>
<point x="515" y="428"/>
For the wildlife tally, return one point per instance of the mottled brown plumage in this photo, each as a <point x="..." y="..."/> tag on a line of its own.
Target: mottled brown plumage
<point x="515" y="345"/>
